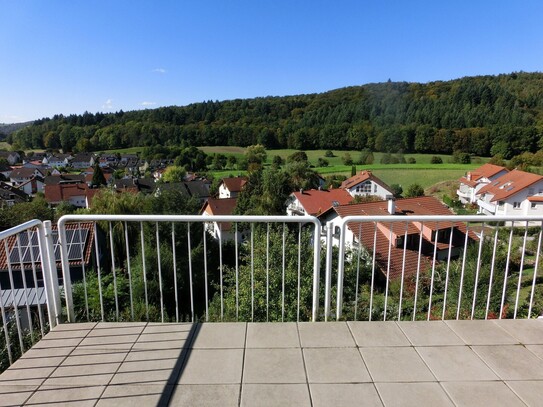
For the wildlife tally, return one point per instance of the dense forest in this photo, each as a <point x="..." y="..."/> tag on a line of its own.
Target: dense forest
<point x="483" y="115"/>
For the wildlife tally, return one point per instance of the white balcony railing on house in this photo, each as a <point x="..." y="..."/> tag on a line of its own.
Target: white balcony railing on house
<point x="167" y="268"/>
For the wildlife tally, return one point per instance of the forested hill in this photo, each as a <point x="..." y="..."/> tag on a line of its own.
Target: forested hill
<point x="483" y="115"/>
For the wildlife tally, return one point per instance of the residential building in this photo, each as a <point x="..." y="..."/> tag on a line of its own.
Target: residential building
<point x="515" y="193"/>
<point x="365" y="184"/>
<point x="74" y="194"/>
<point x="221" y="230"/>
<point x="57" y="160"/>
<point x="314" y="202"/>
<point x="390" y="239"/>
<point x="231" y="187"/>
<point x="473" y="181"/>
<point x="11" y="157"/>
<point x="9" y="195"/>
<point x="83" y="160"/>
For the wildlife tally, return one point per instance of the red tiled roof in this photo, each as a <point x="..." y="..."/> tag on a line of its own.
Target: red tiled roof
<point x="535" y="198"/>
<point x="234" y="184"/>
<point x="484" y="171"/>
<point x="366" y="231"/>
<point x="361" y="177"/>
<point x="63" y="192"/>
<point x="510" y="184"/>
<point x="317" y="201"/>
<point x="223" y="206"/>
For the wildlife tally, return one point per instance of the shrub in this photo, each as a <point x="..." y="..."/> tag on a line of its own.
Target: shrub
<point x="436" y="160"/>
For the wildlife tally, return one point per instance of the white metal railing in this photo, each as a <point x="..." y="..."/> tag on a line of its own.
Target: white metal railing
<point x="138" y="238"/>
<point x="487" y="262"/>
<point x="260" y="268"/>
<point x="27" y="312"/>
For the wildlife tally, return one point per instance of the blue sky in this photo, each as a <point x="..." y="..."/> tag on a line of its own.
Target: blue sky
<point x="71" y="56"/>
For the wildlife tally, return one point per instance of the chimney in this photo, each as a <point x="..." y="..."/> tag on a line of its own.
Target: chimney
<point x="469" y="176"/>
<point x="391" y="201"/>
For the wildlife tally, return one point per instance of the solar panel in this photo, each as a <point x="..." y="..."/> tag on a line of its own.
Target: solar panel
<point x="28" y="250"/>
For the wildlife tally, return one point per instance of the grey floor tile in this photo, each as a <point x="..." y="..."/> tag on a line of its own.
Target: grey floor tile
<point x="144" y="377"/>
<point x="82" y="357"/>
<point x="527" y="331"/>
<point x="15" y="395"/>
<point x="335" y="365"/>
<point x="511" y="362"/>
<point x="27" y="376"/>
<point x="66" y="394"/>
<point x="30" y="363"/>
<point x="531" y="392"/>
<point x="429" y="333"/>
<point x="158" y="327"/>
<point x="273" y="366"/>
<point x="272" y="395"/>
<point x="378" y="333"/>
<point x="120" y="341"/>
<point x="273" y="335"/>
<point x="130" y="395"/>
<point x="344" y="395"/>
<point x="481" y="333"/>
<point x="58" y="343"/>
<point x="217" y="395"/>
<point x="455" y="363"/>
<point x="71" y="368"/>
<point x="79" y="380"/>
<point x="536" y="349"/>
<point x="39" y="353"/>
<point x="218" y="335"/>
<point x="116" y="331"/>
<point x="413" y="394"/>
<point x="67" y="334"/>
<point x="115" y="325"/>
<point x="154" y="354"/>
<point x="212" y="366"/>
<point x="396" y="364"/>
<point x="74" y="326"/>
<point x="482" y="394"/>
<point x="325" y="335"/>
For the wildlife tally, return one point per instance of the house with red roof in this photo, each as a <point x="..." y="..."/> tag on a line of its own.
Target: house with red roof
<point x="74" y="194"/>
<point x="315" y="202"/>
<point x="221" y="230"/>
<point x="231" y="187"/>
<point x="515" y="193"/>
<point x="365" y="184"/>
<point x="397" y="244"/>
<point x="473" y="181"/>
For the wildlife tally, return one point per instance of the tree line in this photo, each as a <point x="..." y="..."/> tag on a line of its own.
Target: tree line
<point x="483" y="115"/>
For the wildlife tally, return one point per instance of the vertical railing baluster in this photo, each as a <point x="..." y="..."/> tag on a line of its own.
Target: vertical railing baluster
<point x="532" y="291"/>
<point x="13" y="299"/>
<point x="221" y="272"/>
<point x="403" y="271"/>
<point x="461" y="284"/>
<point x="417" y="276"/>
<point x="283" y="276"/>
<point x="174" y="256"/>
<point x="84" y="270"/>
<point x="521" y="270"/>
<point x="491" y="278"/>
<point x="506" y="270"/>
<point x="144" y="267"/>
<point x="328" y="276"/>
<point x="236" y="244"/>
<point x="447" y="273"/>
<point x="99" y="272"/>
<point x="114" y="272"/>
<point x="129" y="271"/>
<point x="25" y="287"/>
<point x="299" y="270"/>
<point x="159" y="264"/>
<point x="29" y="235"/>
<point x="387" y="282"/>
<point x="5" y="323"/>
<point x="268" y="272"/>
<point x="252" y="273"/>
<point x="190" y="274"/>
<point x="359" y="255"/>
<point x="433" y="273"/>
<point x="373" y="270"/>
<point x="477" y="270"/>
<point x="206" y="291"/>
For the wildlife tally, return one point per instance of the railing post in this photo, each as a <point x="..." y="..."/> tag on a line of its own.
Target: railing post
<point x="341" y="269"/>
<point x="328" y="277"/>
<point x="50" y="274"/>
<point x="65" y="271"/>
<point x="316" y="268"/>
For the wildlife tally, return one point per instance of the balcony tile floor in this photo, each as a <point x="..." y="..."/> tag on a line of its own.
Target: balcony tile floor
<point x="451" y="363"/>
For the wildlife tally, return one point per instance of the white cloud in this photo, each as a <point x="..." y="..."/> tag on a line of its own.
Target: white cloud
<point x="11" y="119"/>
<point x="159" y="70"/>
<point x="148" y="103"/>
<point x="108" y="105"/>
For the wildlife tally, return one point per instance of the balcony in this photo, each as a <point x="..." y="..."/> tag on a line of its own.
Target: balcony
<point x="151" y="310"/>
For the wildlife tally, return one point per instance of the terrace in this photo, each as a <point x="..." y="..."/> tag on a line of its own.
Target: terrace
<point x="166" y="315"/>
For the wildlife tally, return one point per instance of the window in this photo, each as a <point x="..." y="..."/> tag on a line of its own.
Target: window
<point x="337" y="231"/>
<point x="374" y="187"/>
<point x="534" y="205"/>
<point x="366" y="187"/>
<point x="500" y="204"/>
<point x="516" y="205"/>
